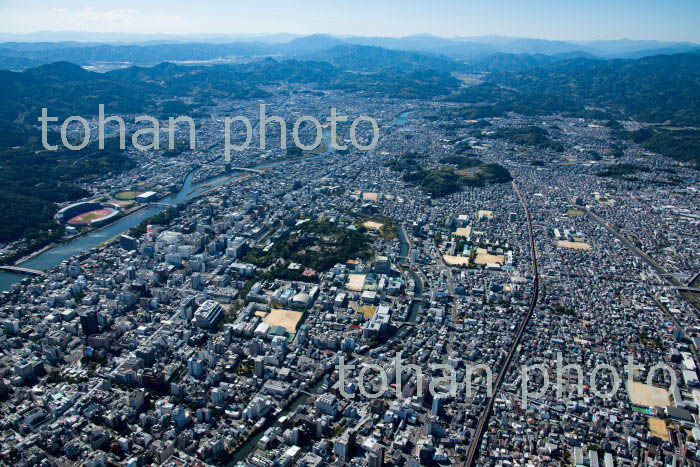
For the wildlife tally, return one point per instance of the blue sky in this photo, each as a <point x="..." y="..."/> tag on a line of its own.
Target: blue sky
<point x="672" y="20"/>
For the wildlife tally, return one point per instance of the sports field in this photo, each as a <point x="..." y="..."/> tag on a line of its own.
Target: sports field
<point x="288" y="319"/>
<point x="485" y="258"/>
<point x="574" y="245"/>
<point x="658" y="429"/>
<point x="456" y="260"/>
<point x="127" y="195"/>
<point x="464" y="232"/>
<point x="89" y="217"/>
<point x="484" y="213"/>
<point x="373" y="225"/>
<point x="356" y="282"/>
<point x="647" y="396"/>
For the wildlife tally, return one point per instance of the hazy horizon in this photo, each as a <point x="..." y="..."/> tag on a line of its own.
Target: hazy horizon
<point x="540" y="19"/>
<point x="279" y="36"/>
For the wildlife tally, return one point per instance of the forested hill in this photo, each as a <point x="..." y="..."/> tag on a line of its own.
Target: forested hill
<point x="652" y="89"/>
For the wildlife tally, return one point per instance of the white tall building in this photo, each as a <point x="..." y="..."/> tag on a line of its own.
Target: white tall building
<point x="208" y="314"/>
<point x="327" y="404"/>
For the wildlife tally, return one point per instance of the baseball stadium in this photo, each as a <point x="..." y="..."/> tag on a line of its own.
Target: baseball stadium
<point x="86" y="214"/>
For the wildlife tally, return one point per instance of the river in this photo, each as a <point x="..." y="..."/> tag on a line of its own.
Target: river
<point x="252" y="444"/>
<point x="403" y="118"/>
<point x="55" y="256"/>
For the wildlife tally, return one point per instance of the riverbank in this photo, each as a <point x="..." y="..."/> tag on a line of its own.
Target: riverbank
<point x="230" y="182"/>
<point x="60" y="252"/>
<point x="116" y="219"/>
<point x="34" y="253"/>
<point x="27" y="257"/>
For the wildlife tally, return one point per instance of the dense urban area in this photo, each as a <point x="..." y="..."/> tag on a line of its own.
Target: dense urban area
<point x="333" y="306"/>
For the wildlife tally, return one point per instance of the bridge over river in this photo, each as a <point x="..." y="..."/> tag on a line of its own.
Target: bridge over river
<point x="25" y="271"/>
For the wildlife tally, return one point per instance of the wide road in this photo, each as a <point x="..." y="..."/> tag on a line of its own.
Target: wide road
<point x="475" y="445"/>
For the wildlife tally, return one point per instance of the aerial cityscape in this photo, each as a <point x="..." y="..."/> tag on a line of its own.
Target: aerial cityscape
<point x="314" y="244"/>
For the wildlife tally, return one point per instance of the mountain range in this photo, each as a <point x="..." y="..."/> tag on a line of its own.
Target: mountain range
<point x="657" y="88"/>
<point x="468" y="51"/>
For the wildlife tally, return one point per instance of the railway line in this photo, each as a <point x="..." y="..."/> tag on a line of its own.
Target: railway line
<point x="475" y="445"/>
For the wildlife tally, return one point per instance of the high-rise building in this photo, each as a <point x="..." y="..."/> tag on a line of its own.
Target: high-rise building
<point x="259" y="366"/>
<point x="88" y="322"/>
<point x="376" y="456"/>
<point x="256" y="347"/>
<point x="74" y="269"/>
<point x="437" y="405"/>
<point x="128" y="243"/>
<point x="382" y="265"/>
<point x="151" y="233"/>
<point x="327" y="404"/>
<point x="343" y="446"/>
<point x="195" y="367"/>
<point x="197" y="281"/>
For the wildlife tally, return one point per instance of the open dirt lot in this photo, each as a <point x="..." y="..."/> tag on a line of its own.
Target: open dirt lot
<point x="285" y="318"/>
<point x="658" y="428"/>
<point x="482" y="257"/>
<point x="456" y="260"/>
<point x="464" y="232"/>
<point x="372" y="225"/>
<point x="574" y="245"/>
<point x="356" y="282"/>
<point x="647" y="396"/>
<point x="485" y="258"/>
<point x="484" y="213"/>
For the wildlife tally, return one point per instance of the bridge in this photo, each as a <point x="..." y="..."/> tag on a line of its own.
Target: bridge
<point x="248" y="169"/>
<point x="166" y="205"/>
<point x="686" y="289"/>
<point x="25" y="271"/>
<point x="235" y="169"/>
<point x="695" y="277"/>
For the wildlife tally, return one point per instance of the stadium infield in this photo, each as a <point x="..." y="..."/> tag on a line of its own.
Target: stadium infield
<point x="91" y="217"/>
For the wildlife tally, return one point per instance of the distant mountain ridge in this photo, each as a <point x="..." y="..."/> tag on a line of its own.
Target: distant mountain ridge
<point x="472" y="50"/>
<point x="655" y="89"/>
<point x="520" y="62"/>
<point x="68" y="89"/>
<point x="369" y="58"/>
